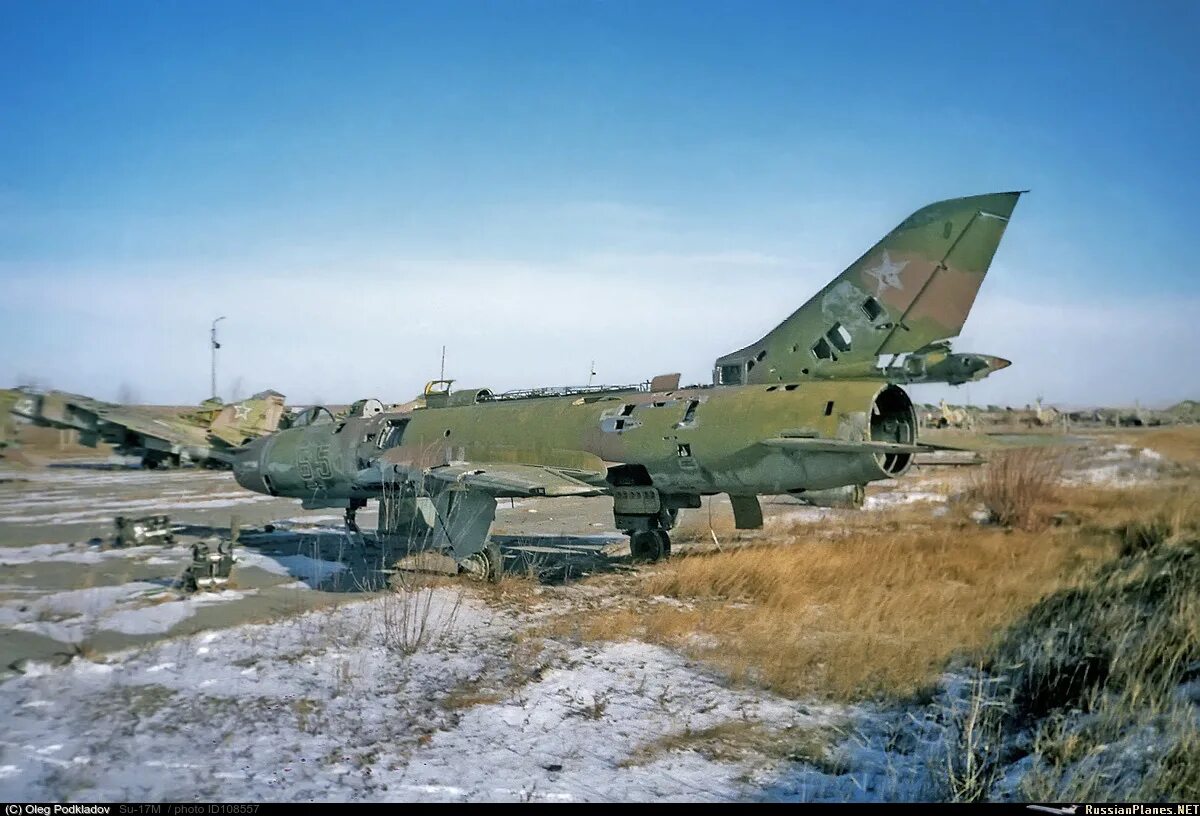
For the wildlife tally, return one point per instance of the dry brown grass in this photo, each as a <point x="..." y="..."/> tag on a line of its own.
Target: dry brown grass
<point x="710" y="520"/>
<point x="470" y="695"/>
<point x="1018" y="487"/>
<point x="876" y="607"/>
<point x="1172" y="506"/>
<point x="736" y="740"/>
<point x="1180" y="444"/>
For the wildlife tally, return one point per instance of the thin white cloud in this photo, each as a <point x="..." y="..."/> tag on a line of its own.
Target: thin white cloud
<point x="377" y="328"/>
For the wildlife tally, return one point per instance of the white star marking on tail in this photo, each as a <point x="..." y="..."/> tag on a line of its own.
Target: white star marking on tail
<point x="887" y="274"/>
<point x="241" y="411"/>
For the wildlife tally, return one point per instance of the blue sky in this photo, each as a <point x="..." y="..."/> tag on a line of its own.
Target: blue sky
<point x="537" y="185"/>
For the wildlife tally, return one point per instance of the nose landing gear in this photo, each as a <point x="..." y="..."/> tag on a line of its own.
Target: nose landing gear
<point x="352" y="514"/>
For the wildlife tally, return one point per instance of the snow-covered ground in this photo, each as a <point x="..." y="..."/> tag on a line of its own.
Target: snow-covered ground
<point x="1116" y="466"/>
<point x="426" y="695"/>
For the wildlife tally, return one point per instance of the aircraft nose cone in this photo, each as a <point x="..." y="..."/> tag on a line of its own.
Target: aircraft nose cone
<point x="997" y="363"/>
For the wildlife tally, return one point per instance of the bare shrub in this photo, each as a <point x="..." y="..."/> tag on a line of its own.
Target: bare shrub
<point x="1016" y="486"/>
<point x="976" y="742"/>
<point x="413" y="616"/>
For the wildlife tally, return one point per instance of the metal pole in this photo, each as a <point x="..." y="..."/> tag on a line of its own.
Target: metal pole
<point x="215" y="346"/>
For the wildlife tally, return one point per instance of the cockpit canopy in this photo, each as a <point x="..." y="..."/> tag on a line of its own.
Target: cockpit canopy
<point x="438" y="395"/>
<point x="313" y="415"/>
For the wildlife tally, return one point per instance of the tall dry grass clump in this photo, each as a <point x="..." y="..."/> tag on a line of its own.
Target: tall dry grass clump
<point x="1017" y="486"/>
<point x="1100" y="682"/>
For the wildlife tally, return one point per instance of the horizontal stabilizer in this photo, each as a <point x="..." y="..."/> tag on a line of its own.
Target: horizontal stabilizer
<point x="842" y="446"/>
<point x="933" y="446"/>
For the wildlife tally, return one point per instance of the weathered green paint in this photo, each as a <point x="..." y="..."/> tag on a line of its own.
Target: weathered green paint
<point x="935" y="363"/>
<point x="723" y="436"/>
<point x="912" y="289"/>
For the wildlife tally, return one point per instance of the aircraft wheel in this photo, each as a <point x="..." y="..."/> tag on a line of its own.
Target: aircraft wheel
<point x="665" y="538"/>
<point x="647" y="546"/>
<point x="485" y="565"/>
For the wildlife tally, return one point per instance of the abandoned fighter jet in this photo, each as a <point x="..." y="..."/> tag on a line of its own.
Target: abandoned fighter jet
<point x="206" y="436"/>
<point x="804" y="409"/>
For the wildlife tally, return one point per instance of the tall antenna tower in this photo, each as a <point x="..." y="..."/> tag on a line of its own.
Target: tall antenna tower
<point x="215" y="345"/>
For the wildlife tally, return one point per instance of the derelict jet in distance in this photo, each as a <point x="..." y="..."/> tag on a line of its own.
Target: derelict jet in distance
<point x="208" y="435"/>
<point x="806" y="408"/>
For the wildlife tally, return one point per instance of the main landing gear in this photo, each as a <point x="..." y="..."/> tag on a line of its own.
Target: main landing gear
<point x="648" y="546"/>
<point x="455" y="522"/>
<point x="645" y="515"/>
<point x="485" y="565"/>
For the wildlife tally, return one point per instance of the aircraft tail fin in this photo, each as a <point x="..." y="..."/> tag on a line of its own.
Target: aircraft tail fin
<point x="248" y="419"/>
<point x="914" y="287"/>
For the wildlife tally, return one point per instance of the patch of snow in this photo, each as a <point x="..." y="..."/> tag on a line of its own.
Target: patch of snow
<point x="329" y="711"/>
<point x="163" y="617"/>
<point x="80" y="554"/>
<point x="70" y="616"/>
<point x="880" y="501"/>
<point x="72" y="603"/>
<point x="297" y="566"/>
<point x="1118" y="466"/>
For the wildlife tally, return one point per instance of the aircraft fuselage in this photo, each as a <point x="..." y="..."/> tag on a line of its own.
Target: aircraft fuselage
<point x="687" y="441"/>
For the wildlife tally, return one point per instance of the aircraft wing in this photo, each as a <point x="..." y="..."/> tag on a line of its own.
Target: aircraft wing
<point x="157" y="433"/>
<point x="506" y="480"/>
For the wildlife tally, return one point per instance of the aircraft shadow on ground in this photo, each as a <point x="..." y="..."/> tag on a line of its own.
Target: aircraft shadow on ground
<point x="93" y="466"/>
<point x="368" y="560"/>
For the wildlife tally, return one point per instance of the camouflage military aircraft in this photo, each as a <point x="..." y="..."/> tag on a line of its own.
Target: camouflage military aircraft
<point x="805" y="409"/>
<point x="208" y="436"/>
